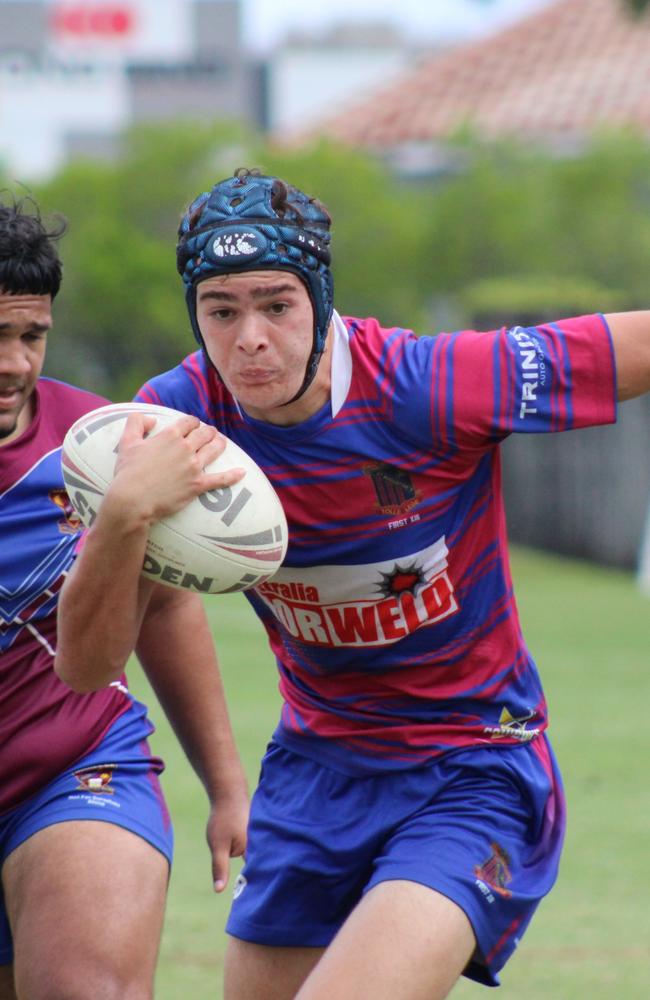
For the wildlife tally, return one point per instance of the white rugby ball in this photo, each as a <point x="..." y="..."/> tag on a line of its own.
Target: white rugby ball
<point x="224" y="540"/>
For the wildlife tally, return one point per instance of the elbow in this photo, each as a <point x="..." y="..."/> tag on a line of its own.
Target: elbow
<point x="72" y="679"/>
<point x="78" y="679"/>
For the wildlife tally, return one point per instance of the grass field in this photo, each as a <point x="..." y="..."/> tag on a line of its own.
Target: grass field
<point x="589" y="630"/>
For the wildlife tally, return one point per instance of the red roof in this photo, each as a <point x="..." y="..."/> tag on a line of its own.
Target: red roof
<point x="563" y="71"/>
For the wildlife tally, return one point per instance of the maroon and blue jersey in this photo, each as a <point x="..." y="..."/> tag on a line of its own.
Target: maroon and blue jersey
<point x="44" y="726"/>
<point x="393" y="619"/>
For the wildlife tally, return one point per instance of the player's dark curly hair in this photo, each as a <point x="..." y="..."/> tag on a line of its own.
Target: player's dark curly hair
<point x="281" y="201"/>
<point x="29" y="259"/>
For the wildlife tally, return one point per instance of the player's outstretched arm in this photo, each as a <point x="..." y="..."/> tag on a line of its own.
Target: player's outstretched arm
<point x="103" y="601"/>
<point x="631" y="339"/>
<point x="177" y="652"/>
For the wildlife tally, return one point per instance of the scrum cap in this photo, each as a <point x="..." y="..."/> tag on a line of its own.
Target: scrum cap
<point x="250" y="222"/>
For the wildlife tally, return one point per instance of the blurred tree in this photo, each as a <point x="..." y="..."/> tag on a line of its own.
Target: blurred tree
<point x="378" y="229"/>
<point x="637" y="6"/>
<point x="512" y="212"/>
<point x="511" y="226"/>
<point x="121" y="315"/>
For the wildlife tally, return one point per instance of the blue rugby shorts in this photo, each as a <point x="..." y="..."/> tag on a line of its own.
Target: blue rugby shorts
<point x="116" y="783"/>
<point x="484" y="827"/>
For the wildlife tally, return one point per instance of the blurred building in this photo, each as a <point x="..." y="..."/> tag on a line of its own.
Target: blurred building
<point x="309" y="76"/>
<point x="553" y="77"/>
<point x="74" y="73"/>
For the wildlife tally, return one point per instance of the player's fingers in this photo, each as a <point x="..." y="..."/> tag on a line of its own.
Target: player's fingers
<point x="220" y="866"/>
<point x="220" y="480"/>
<point x="189" y="425"/>
<point x="207" y="449"/>
<point x="238" y="846"/>
<point x="136" y="427"/>
<point x="203" y="434"/>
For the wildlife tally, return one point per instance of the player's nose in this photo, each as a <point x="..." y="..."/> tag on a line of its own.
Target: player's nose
<point x="13" y="359"/>
<point x="251" y="332"/>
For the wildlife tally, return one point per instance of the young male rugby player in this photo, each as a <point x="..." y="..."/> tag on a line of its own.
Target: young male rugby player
<point x="409" y="815"/>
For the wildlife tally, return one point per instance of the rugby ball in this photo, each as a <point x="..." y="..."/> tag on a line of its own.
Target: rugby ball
<point x="224" y="540"/>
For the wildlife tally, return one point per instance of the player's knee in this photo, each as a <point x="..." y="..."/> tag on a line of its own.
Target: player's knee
<point x="85" y="981"/>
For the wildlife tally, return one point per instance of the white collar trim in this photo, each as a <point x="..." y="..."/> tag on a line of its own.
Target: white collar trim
<point x="341" y="363"/>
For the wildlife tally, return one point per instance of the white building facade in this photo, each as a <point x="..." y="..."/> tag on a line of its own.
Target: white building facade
<point x="73" y="74"/>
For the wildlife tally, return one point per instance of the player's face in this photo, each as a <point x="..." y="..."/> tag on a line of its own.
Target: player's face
<point x="24" y="323"/>
<point x="258" y="330"/>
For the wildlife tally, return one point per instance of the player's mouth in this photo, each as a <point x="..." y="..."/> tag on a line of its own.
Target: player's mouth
<point x="10" y="396"/>
<point x="256" y="376"/>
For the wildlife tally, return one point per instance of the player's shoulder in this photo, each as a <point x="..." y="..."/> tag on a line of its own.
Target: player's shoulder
<point x="62" y="403"/>
<point x="394" y="353"/>
<point x="369" y="331"/>
<point x="190" y="386"/>
<point x="369" y="340"/>
<point x="193" y="365"/>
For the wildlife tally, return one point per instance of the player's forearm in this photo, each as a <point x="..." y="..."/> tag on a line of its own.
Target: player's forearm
<point x="177" y="653"/>
<point x="631" y="339"/>
<point x="100" y="606"/>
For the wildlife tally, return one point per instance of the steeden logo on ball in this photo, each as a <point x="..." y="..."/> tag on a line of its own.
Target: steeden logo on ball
<point x="224" y="540"/>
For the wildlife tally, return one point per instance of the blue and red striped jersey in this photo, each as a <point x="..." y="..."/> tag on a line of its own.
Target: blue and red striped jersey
<point x="393" y="619"/>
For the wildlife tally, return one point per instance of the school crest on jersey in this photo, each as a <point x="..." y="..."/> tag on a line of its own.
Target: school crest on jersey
<point x="71" y="523"/>
<point x="393" y="488"/>
<point x="375" y="604"/>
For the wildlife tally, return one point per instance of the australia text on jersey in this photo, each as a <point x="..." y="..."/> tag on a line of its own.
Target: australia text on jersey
<point x="389" y="601"/>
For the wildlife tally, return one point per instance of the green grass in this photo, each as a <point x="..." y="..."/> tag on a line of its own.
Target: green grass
<point x="589" y="630"/>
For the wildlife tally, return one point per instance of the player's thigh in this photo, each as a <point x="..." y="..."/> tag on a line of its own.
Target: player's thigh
<point x="86" y="904"/>
<point x="7" y="991"/>
<point x="265" y="972"/>
<point x="404" y="941"/>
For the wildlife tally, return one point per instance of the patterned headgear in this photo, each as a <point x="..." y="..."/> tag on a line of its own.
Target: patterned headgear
<point x="244" y="224"/>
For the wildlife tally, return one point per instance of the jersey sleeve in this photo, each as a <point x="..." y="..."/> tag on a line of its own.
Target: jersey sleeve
<point x="185" y="388"/>
<point x="485" y="386"/>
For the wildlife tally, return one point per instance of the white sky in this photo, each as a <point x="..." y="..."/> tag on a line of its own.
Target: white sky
<point x="267" y="21"/>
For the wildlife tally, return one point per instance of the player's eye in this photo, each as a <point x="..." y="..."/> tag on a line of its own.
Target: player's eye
<point x="278" y="308"/>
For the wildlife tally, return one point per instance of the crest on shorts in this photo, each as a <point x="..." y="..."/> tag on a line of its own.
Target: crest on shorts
<point x="393" y="488"/>
<point x="495" y="871"/>
<point x="96" y="779"/>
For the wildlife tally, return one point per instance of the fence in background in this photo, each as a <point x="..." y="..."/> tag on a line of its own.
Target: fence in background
<point x="585" y="493"/>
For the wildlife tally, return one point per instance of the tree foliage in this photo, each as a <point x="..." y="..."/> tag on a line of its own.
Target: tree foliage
<point x="511" y="230"/>
<point x="637" y="6"/>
